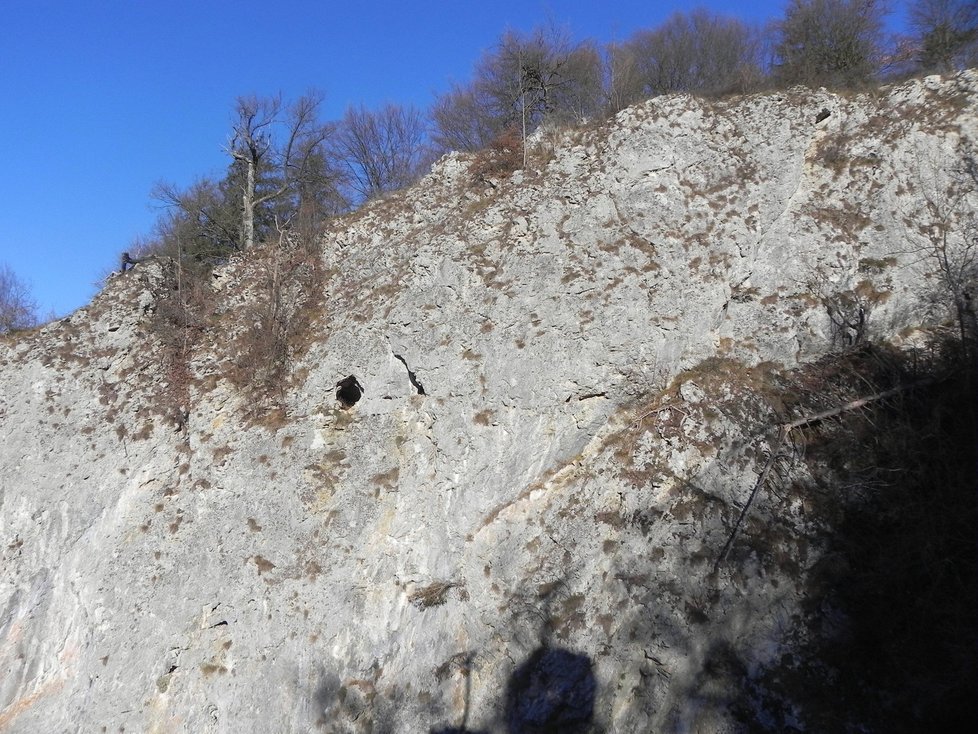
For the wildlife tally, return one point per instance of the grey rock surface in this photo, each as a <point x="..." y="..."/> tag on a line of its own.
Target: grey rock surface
<point x="541" y="514"/>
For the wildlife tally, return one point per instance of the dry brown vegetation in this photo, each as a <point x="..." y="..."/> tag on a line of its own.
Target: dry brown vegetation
<point x="282" y="286"/>
<point x="288" y="297"/>
<point x="503" y="156"/>
<point x="434" y="594"/>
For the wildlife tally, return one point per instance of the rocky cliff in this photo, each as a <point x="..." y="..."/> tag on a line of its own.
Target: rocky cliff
<point x="566" y="499"/>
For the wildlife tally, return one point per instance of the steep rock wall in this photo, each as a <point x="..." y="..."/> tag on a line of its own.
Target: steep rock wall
<point x="596" y="336"/>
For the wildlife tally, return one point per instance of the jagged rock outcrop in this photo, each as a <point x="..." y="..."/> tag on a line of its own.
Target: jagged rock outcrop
<point x="569" y="377"/>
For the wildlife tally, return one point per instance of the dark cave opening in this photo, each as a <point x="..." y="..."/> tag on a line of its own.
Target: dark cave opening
<point x="349" y="391"/>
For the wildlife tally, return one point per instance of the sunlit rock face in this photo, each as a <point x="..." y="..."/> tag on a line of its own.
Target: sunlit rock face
<point x="567" y="383"/>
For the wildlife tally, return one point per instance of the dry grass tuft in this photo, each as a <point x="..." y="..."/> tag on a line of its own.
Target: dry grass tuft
<point x="433" y="595"/>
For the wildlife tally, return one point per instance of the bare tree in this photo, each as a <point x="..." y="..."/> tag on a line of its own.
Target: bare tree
<point x="695" y="52"/>
<point x="544" y="75"/>
<point x="18" y="310"/>
<point x="581" y="95"/>
<point x="942" y="231"/>
<point x="463" y="120"/>
<point x="318" y="196"/>
<point x="946" y="33"/>
<point x="203" y="219"/>
<point x="381" y="150"/>
<point x="829" y="42"/>
<point x="523" y="81"/>
<point x="268" y="136"/>
<point x="624" y="85"/>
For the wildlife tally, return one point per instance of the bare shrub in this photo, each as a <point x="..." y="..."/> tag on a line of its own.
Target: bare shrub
<point x="183" y="311"/>
<point x="503" y="156"/>
<point x="849" y="316"/>
<point x="284" y="305"/>
<point x="942" y="231"/>
<point x="898" y="569"/>
<point x="18" y="310"/>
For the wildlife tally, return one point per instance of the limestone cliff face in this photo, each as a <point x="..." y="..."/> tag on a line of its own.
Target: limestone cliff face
<point x="568" y="376"/>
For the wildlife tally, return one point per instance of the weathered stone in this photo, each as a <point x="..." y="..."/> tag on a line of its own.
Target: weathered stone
<point x="409" y="562"/>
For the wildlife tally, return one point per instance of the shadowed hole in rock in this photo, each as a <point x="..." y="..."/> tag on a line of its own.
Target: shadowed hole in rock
<point x="349" y="391"/>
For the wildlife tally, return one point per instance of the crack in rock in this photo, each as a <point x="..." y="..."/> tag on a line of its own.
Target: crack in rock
<point x="411" y="376"/>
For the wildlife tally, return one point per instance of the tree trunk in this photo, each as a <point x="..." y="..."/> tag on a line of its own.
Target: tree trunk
<point x="248" y="207"/>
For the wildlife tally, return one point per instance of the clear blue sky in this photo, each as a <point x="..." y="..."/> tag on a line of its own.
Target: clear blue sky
<point x="102" y="98"/>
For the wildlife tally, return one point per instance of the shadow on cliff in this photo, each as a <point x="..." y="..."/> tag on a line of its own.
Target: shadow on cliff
<point x="892" y="602"/>
<point x="886" y="639"/>
<point x="553" y="690"/>
<point x="883" y="554"/>
<point x="872" y="517"/>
